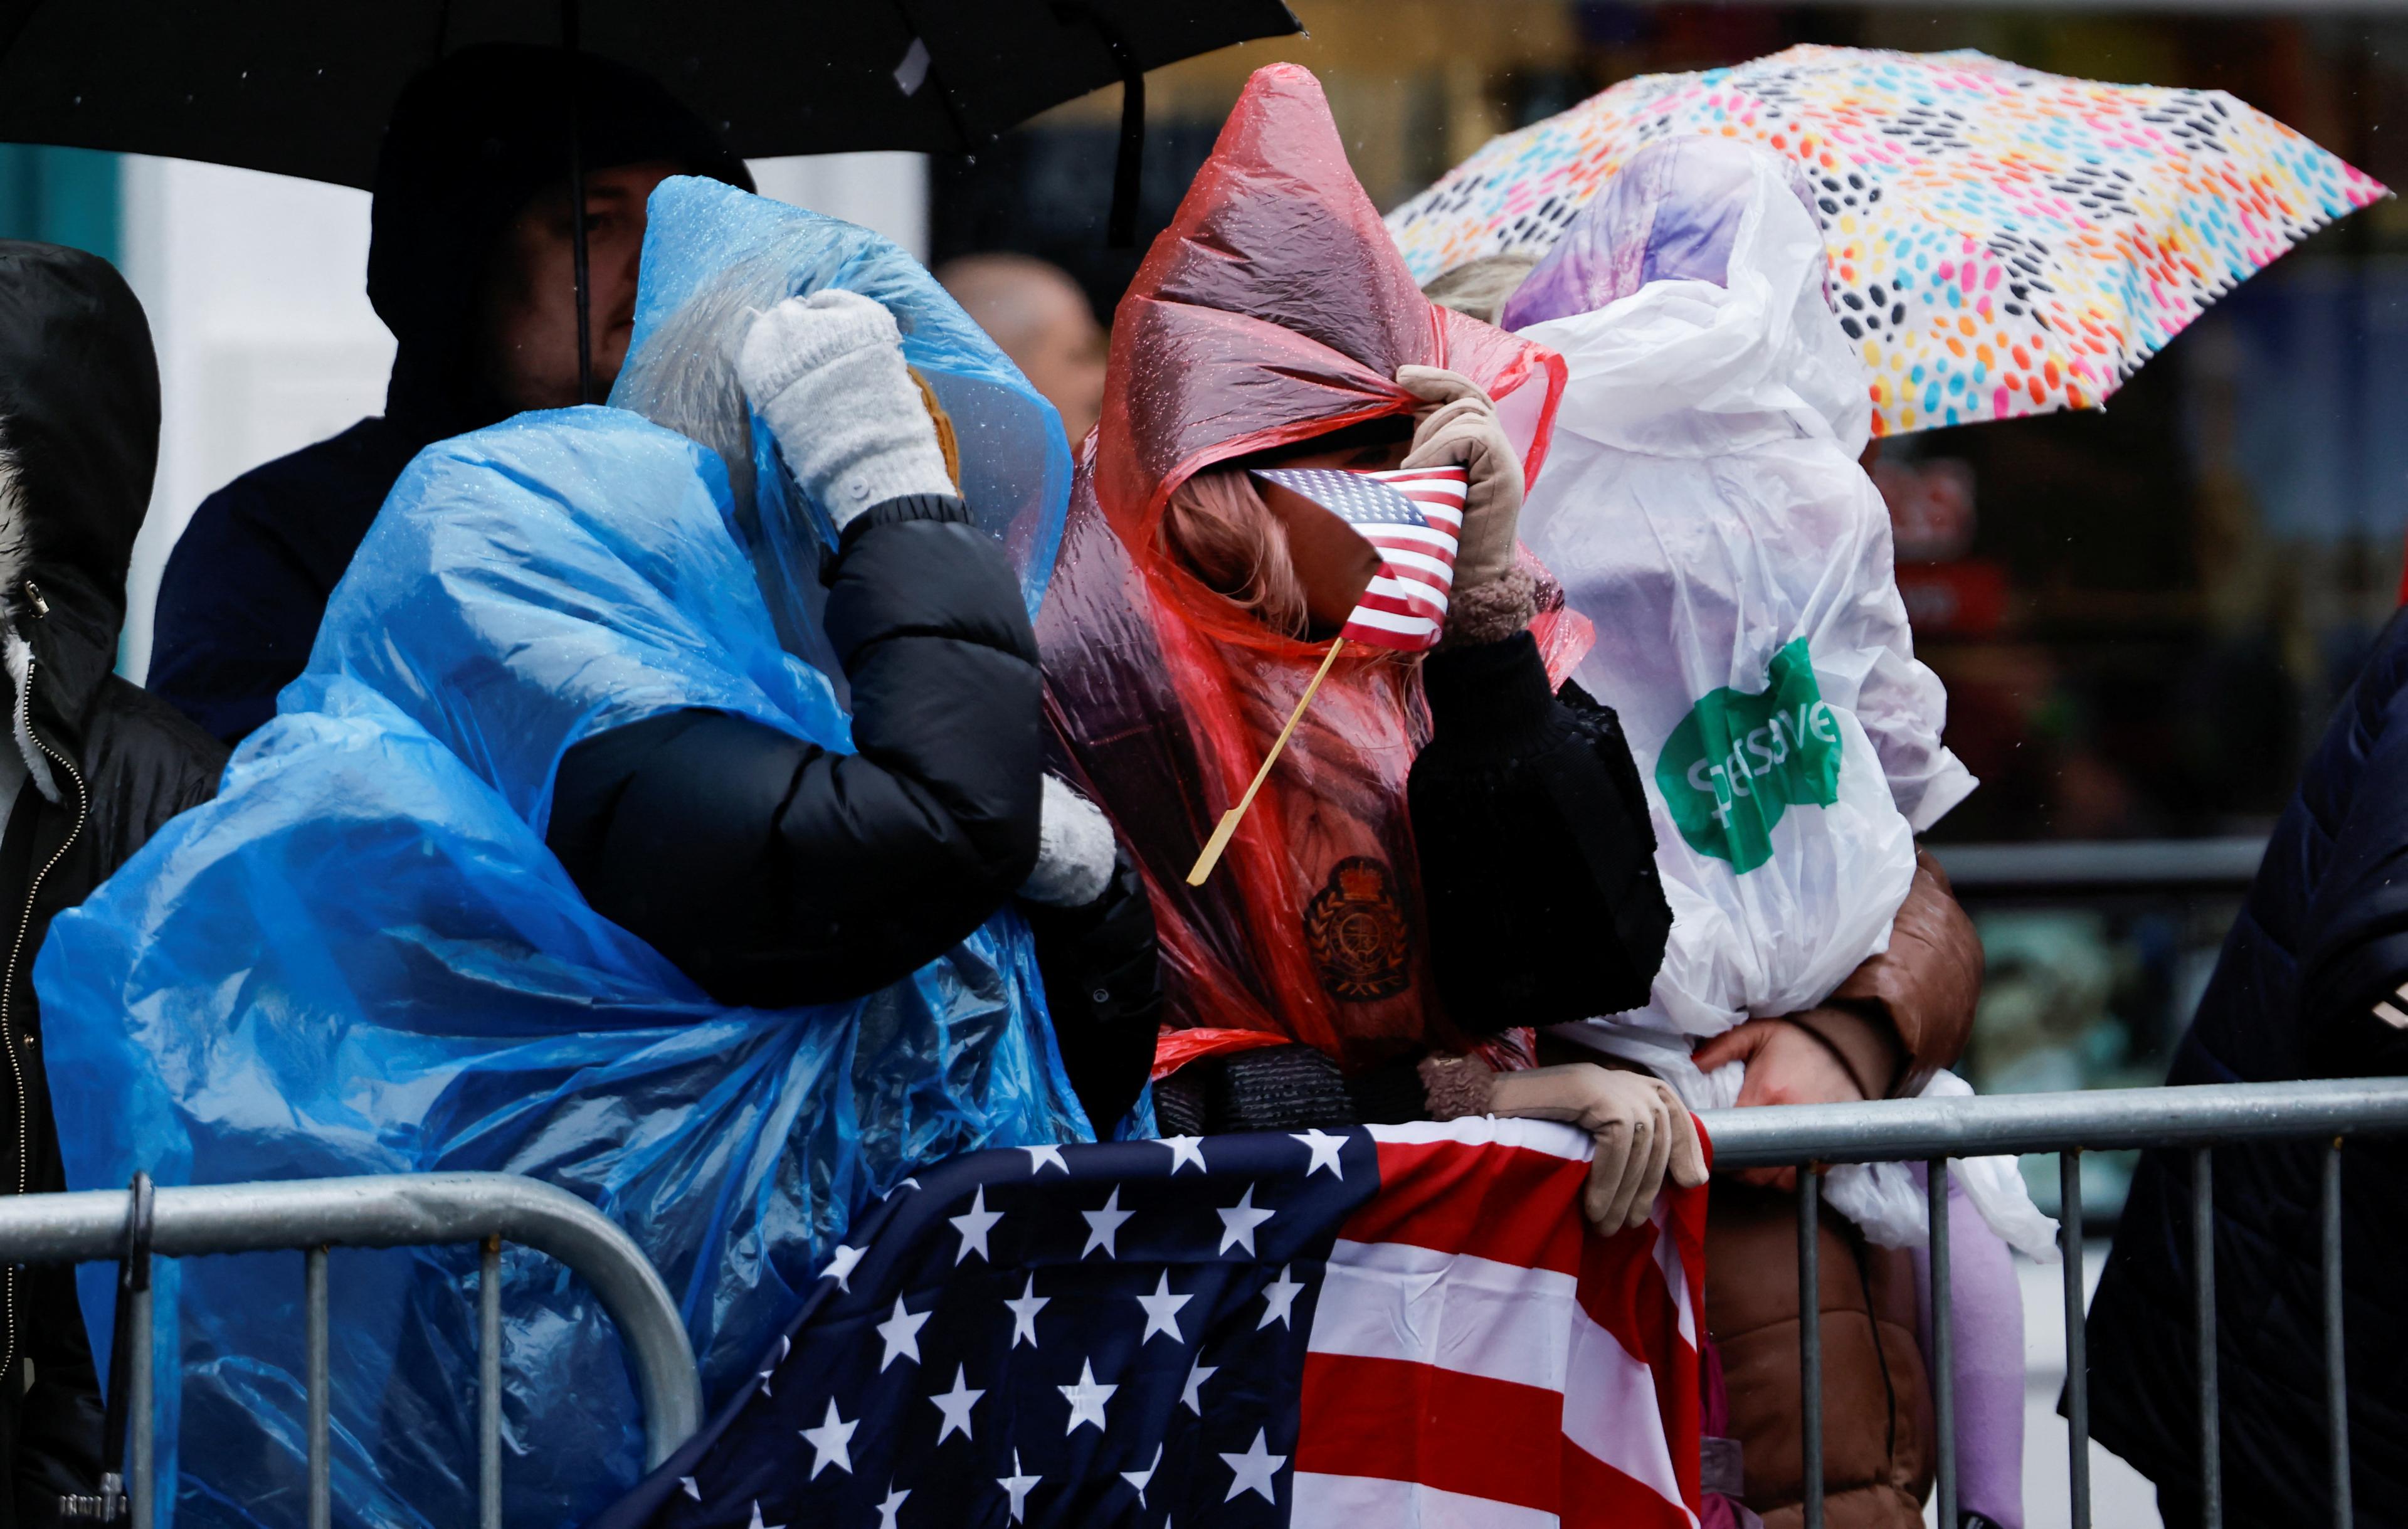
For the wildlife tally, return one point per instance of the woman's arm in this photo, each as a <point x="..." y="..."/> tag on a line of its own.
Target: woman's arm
<point x="774" y="872"/>
<point x="1538" y="865"/>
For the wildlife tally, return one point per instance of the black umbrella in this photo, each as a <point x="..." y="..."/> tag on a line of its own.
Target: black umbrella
<point x="303" y="87"/>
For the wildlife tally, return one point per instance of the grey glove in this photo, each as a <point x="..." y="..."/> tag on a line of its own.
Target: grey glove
<point x="826" y="371"/>
<point x="1074" y="849"/>
<point x="1643" y="1133"/>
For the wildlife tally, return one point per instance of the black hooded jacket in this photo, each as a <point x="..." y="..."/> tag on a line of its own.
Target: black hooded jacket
<point x="105" y="764"/>
<point x="2317" y="955"/>
<point x="472" y="140"/>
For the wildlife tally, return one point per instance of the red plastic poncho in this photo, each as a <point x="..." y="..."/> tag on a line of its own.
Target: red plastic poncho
<point x="1273" y="310"/>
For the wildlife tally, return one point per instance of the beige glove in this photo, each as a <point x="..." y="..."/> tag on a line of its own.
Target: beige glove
<point x="1640" y="1128"/>
<point x="1461" y="426"/>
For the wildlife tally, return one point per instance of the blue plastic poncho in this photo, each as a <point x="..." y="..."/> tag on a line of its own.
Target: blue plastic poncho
<point x="362" y="958"/>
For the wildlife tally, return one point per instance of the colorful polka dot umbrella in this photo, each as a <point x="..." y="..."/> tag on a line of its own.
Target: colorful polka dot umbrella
<point x="2003" y="242"/>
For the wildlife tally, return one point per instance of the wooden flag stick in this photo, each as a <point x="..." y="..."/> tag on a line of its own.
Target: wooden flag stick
<point x="1230" y="819"/>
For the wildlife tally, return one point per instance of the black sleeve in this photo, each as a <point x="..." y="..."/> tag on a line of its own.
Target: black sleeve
<point x="2354" y="937"/>
<point x="775" y="872"/>
<point x="1537" y="864"/>
<point x="1103" y="988"/>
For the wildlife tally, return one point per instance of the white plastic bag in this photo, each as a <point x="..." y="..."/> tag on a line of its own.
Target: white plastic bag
<point x="1703" y="506"/>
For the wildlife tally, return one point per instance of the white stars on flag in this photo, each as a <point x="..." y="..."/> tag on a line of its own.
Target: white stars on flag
<point x="1279" y="1299"/>
<point x="1162" y="1311"/>
<point x="1254" y="1470"/>
<point x="1104" y="1225"/>
<point x="955" y="1406"/>
<point x="831" y="1443"/>
<point x="974" y="1224"/>
<point x="902" y="1334"/>
<point x="1324" y="1149"/>
<point x="1039" y="1158"/>
<point x="1186" y="1151"/>
<point x="1192" y="1396"/>
<point x="1087" y="1398"/>
<point x="1024" y="1314"/>
<point x="1018" y="1485"/>
<point x="841" y="1266"/>
<point x="1237" y="1222"/>
<point x="785" y="1347"/>
<point x="1142" y="1480"/>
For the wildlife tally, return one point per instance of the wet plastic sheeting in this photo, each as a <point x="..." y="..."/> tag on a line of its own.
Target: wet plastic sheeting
<point x="360" y="958"/>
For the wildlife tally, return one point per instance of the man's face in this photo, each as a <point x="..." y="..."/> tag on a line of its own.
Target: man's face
<point x="527" y="308"/>
<point x="1063" y="360"/>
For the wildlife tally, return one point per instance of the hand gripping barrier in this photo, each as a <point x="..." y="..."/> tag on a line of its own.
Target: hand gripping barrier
<point x="1811" y="1137"/>
<point x="378" y="1211"/>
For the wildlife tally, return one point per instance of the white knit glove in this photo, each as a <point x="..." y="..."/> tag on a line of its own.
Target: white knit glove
<point x="1074" y="850"/>
<point x="826" y="371"/>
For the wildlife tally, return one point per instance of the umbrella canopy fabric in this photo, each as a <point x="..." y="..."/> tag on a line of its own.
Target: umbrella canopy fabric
<point x="303" y="87"/>
<point x="2003" y="242"/>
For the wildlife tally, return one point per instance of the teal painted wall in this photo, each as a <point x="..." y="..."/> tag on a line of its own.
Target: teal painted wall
<point x="62" y="196"/>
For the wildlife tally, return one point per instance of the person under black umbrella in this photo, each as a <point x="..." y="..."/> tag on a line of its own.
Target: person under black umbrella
<point x="470" y="265"/>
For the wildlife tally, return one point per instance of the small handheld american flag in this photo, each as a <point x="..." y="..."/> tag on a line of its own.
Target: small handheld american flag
<point x="1412" y="517"/>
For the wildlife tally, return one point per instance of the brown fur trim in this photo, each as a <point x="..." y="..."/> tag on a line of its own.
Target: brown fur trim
<point x="1491" y="611"/>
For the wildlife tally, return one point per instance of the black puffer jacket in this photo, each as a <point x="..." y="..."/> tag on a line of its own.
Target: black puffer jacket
<point x="2322" y="939"/>
<point x="1537" y="859"/>
<point x="775" y="872"/>
<point x="106" y="763"/>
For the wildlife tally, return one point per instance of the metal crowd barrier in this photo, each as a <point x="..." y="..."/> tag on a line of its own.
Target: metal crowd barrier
<point x="399" y="1210"/>
<point x="1811" y="1137"/>
<point x="2083" y="870"/>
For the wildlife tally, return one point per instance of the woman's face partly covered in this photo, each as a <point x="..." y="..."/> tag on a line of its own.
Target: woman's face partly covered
<point x="1298" y="568"/>
<point x="1332" y="561"/>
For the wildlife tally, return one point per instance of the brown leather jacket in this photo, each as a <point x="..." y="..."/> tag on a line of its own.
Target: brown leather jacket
<point x="1900" y="1017"/>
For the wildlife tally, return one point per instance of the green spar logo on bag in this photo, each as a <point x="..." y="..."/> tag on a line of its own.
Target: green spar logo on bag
<point x="1738" y="761"/>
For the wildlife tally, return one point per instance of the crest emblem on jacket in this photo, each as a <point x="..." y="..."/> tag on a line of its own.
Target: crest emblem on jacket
<point x="1355" y="929"/>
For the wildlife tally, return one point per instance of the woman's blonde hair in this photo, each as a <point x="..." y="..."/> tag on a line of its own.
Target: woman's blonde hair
<point x="1219" y="530"/>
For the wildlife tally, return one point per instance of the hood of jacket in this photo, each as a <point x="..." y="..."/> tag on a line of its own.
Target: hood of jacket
<point x="1276" y="308"/>
<point x="1689" y="301"/>
<point x="471" y="139"/>
<point x="78" y="442"/>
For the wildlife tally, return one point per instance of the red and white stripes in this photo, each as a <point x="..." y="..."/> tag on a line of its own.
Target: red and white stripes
<point x="1479" y="1358"/>
<point x="1405" y="605"/>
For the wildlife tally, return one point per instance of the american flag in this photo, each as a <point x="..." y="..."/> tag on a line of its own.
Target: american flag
<point x="1398" y="1326"/>
<point x="1414" y="516"/>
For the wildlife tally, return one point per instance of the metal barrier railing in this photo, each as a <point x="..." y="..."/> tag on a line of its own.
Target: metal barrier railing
<point x="2086" y="869"/>
<point x="397" y="1210"/>
<point x="1811" y="1137"/>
